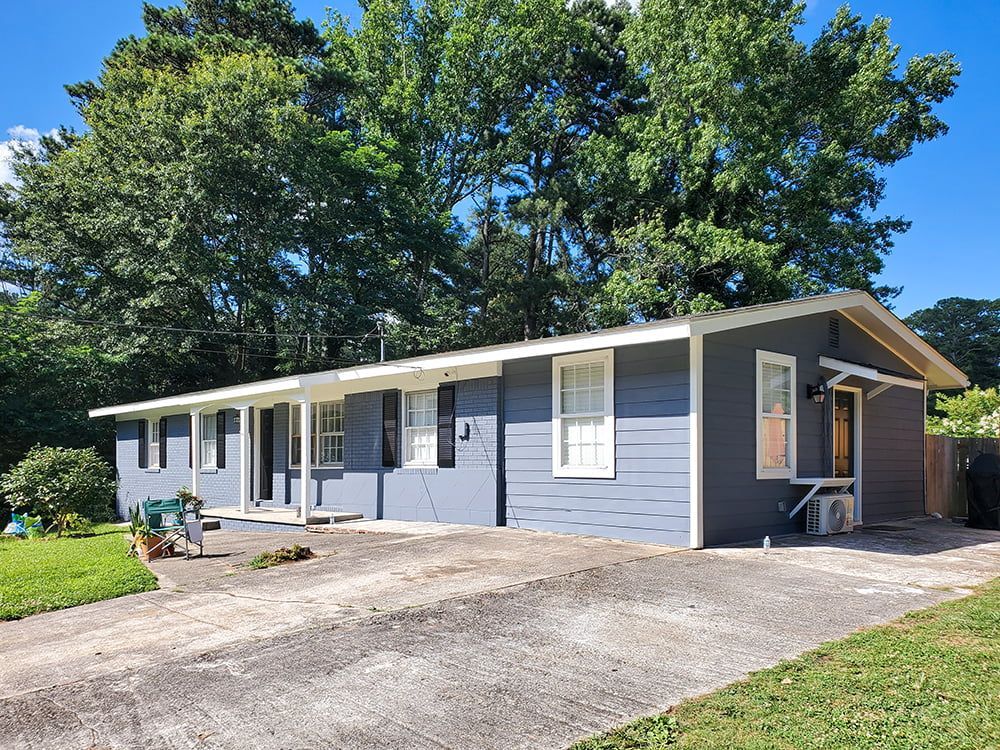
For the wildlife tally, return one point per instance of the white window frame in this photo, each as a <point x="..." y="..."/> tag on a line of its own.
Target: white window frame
<point x="784" y="360"/>
<point x="211" y="419"/>
<point x="294" y="423"/>
<point x="317" y="459"/>
<point x="407" y="428"/>
<point x="607" y="358"/>
<point x="153" y="455"/>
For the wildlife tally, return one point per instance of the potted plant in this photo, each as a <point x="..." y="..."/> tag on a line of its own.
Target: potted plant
<point x="192" y="503"/>
<point x="144" y="541"/>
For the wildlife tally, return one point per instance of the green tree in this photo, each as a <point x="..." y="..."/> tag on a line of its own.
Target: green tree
<point x="52" y="371"/>
<point x="215" y="188"/>
<point x="757" y="163"/>
<point x="966" y="331"/>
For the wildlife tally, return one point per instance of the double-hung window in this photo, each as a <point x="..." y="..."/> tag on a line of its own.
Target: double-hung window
<point x="775" y="415"/>
<point x="154" y="444"/>
<point x="420" y="428"/>
<point x="331" y="433"/>
<point x="583" y="416"/>
<point x="208" y="439"/>
<point x="326" y="434"/>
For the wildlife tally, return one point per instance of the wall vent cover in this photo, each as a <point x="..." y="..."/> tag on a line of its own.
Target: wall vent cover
<point x="834" y="333"/>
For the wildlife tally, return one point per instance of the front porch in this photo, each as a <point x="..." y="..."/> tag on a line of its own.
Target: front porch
<point x="282" y="516"/>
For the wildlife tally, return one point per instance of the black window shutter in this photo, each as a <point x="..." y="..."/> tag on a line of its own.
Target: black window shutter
<point x="446" y="426"/>
<point x="163" y="442"/>
<point x="390" y="427"/>
<point x="191" y="440"/>
<point x="220" y="440"/>
<point x="143" y="448"/>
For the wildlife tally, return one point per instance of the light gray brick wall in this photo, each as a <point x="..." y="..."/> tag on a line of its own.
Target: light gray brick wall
<point x="363" y="431"/>
<point x="222" y="486"/>
<point x="136" y="484"/>
<point x="476" y="404"/>
<point x="464" y="494"/>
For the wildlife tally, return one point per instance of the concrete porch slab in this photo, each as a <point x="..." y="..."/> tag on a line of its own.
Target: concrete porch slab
<point x="279" y="516"/>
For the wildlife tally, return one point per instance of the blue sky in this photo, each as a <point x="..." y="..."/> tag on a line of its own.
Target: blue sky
<point x="947" y="188"/>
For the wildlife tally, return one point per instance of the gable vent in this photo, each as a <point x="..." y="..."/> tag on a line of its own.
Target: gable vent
<point x="834" y="333"/>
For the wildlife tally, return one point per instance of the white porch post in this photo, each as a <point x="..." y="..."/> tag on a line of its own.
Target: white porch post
<point x="305" y="430"/>
<point x="195" y="448"/>
<point x="244" y="411"/>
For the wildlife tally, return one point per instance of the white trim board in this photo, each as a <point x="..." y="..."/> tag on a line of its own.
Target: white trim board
<point x="858" y="445"/>
<point x="696" y="419"/>
<point x="789" y="361"/>
<point x="869" y="373"/>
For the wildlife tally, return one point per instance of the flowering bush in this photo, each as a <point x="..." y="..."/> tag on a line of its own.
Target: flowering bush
<point x="972" y="413"/>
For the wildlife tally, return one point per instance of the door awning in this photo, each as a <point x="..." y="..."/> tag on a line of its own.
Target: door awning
<point x="884" y="378"/>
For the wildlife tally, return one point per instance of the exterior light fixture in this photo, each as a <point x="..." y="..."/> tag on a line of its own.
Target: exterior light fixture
<point x="817" y="392"/>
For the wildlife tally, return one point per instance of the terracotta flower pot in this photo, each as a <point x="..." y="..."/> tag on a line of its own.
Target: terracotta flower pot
<point x="147" y="547"/>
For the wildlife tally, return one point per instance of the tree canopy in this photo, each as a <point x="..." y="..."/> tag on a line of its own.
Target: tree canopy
<point x="966" y="331"/>
<point x="249" y="190"/>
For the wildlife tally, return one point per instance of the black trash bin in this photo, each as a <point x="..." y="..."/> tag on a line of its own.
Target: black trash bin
<point x="982" y="487"/>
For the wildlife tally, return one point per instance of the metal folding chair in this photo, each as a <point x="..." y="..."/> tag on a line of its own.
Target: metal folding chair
<point x="167" y="519"/>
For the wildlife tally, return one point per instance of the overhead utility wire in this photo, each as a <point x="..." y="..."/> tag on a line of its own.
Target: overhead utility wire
<point x="222" y="332"/>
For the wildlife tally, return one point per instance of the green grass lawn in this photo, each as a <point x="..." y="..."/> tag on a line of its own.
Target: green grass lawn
<point x="928" y="680"/>
<point x="38" y="575"/>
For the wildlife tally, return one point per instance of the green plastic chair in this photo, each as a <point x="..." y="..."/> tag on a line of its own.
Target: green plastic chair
<point x="168" y="520"/>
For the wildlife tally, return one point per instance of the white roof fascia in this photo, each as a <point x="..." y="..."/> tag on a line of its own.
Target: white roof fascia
<point x="728" y="320"/>
<point x="842" y="303"/>
<point x="201" y="397"/>
<point x="669" y="331"/>
<point x="925" y="350"/>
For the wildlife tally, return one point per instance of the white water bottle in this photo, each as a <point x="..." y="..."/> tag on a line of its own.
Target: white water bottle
<point x="767" y="544"/>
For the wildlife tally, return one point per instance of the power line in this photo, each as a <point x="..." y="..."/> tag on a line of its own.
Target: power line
<point x="293" y="356"/>
<point x="174" y="329"/>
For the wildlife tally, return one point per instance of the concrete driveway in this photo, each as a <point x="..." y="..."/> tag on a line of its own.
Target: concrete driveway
<point x="430" y="636"/>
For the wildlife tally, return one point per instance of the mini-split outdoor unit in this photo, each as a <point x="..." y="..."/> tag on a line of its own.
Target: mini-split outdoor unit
<point x="830" y="514"/>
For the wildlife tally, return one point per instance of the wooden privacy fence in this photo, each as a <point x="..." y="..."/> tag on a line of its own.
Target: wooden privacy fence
<point x="945" y="462"/>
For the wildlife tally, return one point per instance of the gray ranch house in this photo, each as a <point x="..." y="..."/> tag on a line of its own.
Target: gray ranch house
<point x="692" y="431"/>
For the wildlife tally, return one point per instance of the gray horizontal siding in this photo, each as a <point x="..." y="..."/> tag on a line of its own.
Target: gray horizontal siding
<point x="648" y="499"/>
<point x="892" y="468"/>
<point x="740" y="507"/>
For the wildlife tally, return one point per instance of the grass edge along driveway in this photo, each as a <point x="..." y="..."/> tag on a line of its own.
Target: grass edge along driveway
<point x="41" y="575"/>
<point x="928" y="680"/>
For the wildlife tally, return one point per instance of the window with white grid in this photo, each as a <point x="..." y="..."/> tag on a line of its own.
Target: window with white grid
<point x="420" y="431"/>
<point x="583" y="423"/>
<point x="154" y="444"/>
<point x="327" y="434"/>
<point x="208" y="435"/>
<point x="331" y="433"/>
<point x="775" y="415"/>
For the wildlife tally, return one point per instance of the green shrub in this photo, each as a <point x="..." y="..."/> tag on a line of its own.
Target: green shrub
<point x="61" y="485"/>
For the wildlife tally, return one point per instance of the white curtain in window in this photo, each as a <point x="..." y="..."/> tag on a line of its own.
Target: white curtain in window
<point x="421" y="428"/>
<point x="208" y="435"/>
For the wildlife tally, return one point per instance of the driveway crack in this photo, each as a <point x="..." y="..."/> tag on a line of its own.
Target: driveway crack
<point x="83" y="725"/>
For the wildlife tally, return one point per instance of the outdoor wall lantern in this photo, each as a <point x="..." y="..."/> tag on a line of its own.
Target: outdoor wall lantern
<point x="817" y="392"/>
